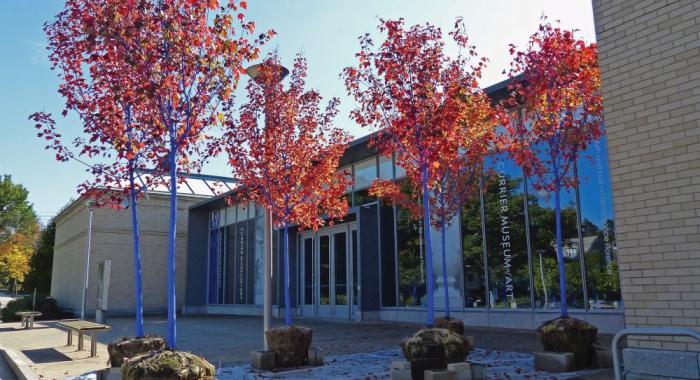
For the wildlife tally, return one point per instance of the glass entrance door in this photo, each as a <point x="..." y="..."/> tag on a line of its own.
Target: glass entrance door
<point x="327" y="273"/>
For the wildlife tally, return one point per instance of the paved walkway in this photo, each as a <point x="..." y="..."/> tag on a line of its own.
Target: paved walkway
<point x="226" y="341"/>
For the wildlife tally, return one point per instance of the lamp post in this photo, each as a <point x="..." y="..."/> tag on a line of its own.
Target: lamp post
<point x="254" y="72"/>
<point x="89" y="204"/>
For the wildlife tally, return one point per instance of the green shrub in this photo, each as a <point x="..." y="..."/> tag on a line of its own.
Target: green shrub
<point x="46" y="305"/>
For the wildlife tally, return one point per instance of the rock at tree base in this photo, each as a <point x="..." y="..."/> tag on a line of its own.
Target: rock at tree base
<point x="421" y="345"/>
<point x="167" y="364"/>
<point x="125" y="348"/>
<point x="290" y="344"/>
<point x="566" y="334"/>
<point x="452" y="324"/>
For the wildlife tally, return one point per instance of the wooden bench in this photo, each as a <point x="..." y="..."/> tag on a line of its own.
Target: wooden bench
<point x="83" y="327"/>
<point x="28" y="318"/>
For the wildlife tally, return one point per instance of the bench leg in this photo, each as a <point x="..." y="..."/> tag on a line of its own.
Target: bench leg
<point x="24" y="322"/>
<point x="80" y="341"/>
<point x="31" y="322"/>
<point x="93" y="344"/>
<point x="70" y="338"/>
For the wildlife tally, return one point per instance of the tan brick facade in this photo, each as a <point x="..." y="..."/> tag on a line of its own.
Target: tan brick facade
<point x="112" y="240"/>
<point x="650" y="64"/>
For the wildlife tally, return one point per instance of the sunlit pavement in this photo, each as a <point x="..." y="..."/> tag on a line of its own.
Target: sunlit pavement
<point x="226" y="341"/>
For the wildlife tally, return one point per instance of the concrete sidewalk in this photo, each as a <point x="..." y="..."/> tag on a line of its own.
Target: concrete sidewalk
<point x="228" y="340"/>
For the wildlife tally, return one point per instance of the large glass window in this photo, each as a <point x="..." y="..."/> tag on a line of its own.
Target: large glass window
<point x="386" y="170"/>
<point x="411" y="259"/>
<point x="506" y="240"/>
<point x="543" y="243"/>
<point x="597" y="227"/>
<point x="473" y="254"/>
<point x="259" y="254"/>
<point x="341" y="283"/>
<point x="365" y="173"/>
<point x="387" y="253"/>
<point x="325" y="269"/>
<point x="308" y="271"/>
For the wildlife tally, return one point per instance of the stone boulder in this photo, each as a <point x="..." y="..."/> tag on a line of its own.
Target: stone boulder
<point x="566" y="334"/>
<point x="421" y="345"/>
<point x="167" y="364"/>
<point x="452" y="324"/>
<point x="290" y="344"/>
<point x="128" y="347"/>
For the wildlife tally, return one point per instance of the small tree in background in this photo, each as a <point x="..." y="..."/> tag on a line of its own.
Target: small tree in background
<point x="41" y="263"/>
<point x="419" y="99"/>
<point x="289" y="163"/>
<point x="18" y="230"/>
<point x="559" y="90"/>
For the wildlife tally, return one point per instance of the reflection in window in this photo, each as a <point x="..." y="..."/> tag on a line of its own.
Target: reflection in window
<point x="544" y="255"/>
<point x="473" y="255"/>
<point x="411" y="259"/>
<point x="355" y="269"/>
<point x="365" y="173"/>
<point x="362" y="197"/>
<point x="348" y="174"/>
<point x="308" y="271"/>
<point x="385" y="167"/>
<point x="506" y="240"/>
<point x="597" y="227"/>
<point x="341" y="286"/>
<point x="325" y="272"/>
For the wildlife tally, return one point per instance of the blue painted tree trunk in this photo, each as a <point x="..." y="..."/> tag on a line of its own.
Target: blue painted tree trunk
<point x="172" y="234"/>
<point x="138" y="288"/>
<point x="557" y="220"/>
<point x="428" y="249"/>
<point x="287" y="298"/>
<point x="444" y="266"/>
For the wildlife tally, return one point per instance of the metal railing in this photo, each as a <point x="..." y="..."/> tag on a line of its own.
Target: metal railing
<point x="651" y="331"/>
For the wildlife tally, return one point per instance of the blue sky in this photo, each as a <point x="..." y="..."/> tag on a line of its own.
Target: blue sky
<point x="325" y="31"/>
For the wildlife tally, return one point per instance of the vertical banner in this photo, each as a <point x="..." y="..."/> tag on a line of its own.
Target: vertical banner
<point x="241" y="256"/>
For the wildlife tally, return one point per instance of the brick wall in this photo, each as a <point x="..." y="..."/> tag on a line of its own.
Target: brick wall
<point x="650" y="65"/>
<point x="112" y="240"/>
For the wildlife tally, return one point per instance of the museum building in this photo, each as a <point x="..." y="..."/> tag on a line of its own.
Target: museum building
<point x="501" y="259"/>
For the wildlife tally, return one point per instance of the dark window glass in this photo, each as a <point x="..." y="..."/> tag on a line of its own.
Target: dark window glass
<point x="324" y="253"/>
<point x="386" y="228"/>
<point x="506" y="240"/>
<point x="411" y="259"/>
<point x="355" y="268"/>
<point x="362" y="197"/>
<point x="308" y="271"/>
<point x="473" y="255"/>
<point x="340" y="253"/>
<point x="597" y="227"/>
<point x="230" y="263"/>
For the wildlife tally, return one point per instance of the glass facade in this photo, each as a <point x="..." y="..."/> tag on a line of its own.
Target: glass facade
<point x="506" y="235"/>
<point x="235" y="254"/>
<point x="503" y="240"/>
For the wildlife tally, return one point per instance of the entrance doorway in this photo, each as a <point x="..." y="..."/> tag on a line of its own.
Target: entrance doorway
<point x="328" y="272"/>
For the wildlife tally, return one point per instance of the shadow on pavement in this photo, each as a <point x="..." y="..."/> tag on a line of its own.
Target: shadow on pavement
<point x="45" y="355"/>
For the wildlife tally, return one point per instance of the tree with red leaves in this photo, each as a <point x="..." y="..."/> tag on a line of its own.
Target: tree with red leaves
<point x="181" y="59"/>
<point x="289" y="164"/>
<point x="556" y="81"/>
<point x="422" y="102"/>
<point x="116" y="142"/>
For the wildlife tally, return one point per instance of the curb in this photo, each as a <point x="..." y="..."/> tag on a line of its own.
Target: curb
<point x="17" y="365"/>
